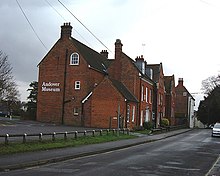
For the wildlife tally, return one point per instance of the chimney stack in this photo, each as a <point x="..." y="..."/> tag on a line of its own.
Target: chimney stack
<point x="118" y="49"/>
<point x="104" y="53"/>
<point x="66" y="30"/>
<point x="141" y="63"/>
<point x="180" y="81"/>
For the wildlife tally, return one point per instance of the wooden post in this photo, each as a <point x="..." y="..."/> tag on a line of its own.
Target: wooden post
<point x="40" y="137"/>
<point x="6" y="139"/>
<point x="53" y="136"/>
<point x="24" y="138"/>
<point x="76" y="134"/>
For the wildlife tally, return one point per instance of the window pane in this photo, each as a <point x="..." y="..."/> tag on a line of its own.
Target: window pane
<point x="74" y="59"/>
<point x="133" y="113"/>
<point x="77" y="85"/>
<point x="128" y="113"/>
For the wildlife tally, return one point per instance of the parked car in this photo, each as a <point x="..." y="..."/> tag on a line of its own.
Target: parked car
<point x="216" y="130"/>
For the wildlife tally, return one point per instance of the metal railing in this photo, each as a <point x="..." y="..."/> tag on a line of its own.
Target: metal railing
<point x="64" y="135"/>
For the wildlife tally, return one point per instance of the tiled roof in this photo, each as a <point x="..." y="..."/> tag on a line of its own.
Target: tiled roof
<point x="93" y="58"/>
<point x="135" y="66"/>
<point x="124" y="91"/>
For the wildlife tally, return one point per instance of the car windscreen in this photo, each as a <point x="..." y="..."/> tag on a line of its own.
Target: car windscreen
<point x="217" y="126"/>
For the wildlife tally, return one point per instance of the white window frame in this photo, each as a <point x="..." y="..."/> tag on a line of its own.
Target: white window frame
<point x="128" y="113"/>
<point x="146" y="94"/>
<point x="75" y="111"/>
<point x="147" y="118"/>
<point x="142" y="93"/>
<point x="151" y="96"/>
<point x="77" y="85"/>
<point x="141" y="119"/>
<point x="133" y="114"/>
<point x="74" y="59"/>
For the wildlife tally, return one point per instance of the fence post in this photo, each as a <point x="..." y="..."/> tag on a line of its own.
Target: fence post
<point x="6" y="138"/>
<point x="128" y="131"/>
<point x="113" y="131"/>
<point x="76" y="134"/>
<point x="24" y="138"/>
<point x="93" y="133"/>
<point x="53" y="136"/>
<point x="40" y="137"/>
<point x="65" y="136"/>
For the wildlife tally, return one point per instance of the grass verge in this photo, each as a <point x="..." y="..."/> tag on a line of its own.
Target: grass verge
<point x="143" y="131"/>
<point x="59" y="143"/>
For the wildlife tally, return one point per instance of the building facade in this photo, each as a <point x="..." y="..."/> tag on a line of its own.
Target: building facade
<point x="159" y="92"/>
<point x="134" y="76"/>
<point x="184" y="108"/>
<point x="81" y="87"/>
<point x="66" y="74"/>
<point x="170" y="95"/>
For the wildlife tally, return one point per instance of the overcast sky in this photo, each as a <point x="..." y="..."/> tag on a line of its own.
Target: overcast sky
<point x="182" y="34"/>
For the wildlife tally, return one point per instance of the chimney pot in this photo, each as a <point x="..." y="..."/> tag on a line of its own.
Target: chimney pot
<point x="104" y="53"/>
<point x="180" y="81"/>
<point x="66" y="30"/>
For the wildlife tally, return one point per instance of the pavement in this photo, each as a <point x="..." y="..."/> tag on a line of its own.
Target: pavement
<point x="30" y="159"/>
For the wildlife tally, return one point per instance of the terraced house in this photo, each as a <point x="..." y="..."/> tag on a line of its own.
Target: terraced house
<point x="81" y="87"/>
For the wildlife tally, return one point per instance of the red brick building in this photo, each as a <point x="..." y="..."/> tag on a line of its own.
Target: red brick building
<point x="68" y="72"/>
<point x="184" y="105"/>
<point x="134" y="76"/>
<point x="109" y="101"/>
<point x="81" y="87"/>
<point x="170" y="95"/>
<point x="159" y="91"/>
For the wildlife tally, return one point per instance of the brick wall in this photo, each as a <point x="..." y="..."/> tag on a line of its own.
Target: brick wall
<point x="52" y="70"/>
<point x="103" y="105"/>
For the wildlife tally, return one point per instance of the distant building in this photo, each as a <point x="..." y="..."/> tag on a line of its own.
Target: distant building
<point x="159" y="91"/>
<point x="184" y="109"/>
<point x="170" y="95"/>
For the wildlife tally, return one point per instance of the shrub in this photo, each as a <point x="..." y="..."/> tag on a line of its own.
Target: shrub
<point x="164" y="122"/>
<point x="148" y="125"/>
<point x="138" y="128"/>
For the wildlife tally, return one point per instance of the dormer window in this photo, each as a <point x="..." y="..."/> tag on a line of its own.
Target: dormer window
<point x="74" y="59"/>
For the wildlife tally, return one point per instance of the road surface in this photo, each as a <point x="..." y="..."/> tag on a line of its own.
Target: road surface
<point x="193" y="153"/>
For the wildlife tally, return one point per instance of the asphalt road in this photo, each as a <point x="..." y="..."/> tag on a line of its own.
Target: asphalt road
<point x="16" y="126"/>
<point x="193" y="153"/>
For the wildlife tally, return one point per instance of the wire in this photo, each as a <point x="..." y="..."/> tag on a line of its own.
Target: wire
<point x="84" y="25"/>
<point x="66" y="20"/>
<point x="31" y="25"/>
<point x="55" y="10"/>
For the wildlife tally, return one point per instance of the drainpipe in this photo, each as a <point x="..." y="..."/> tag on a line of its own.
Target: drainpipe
<point x="64" y="86"/>
<point x="140" y="104"/>
<point x="126" y="114"/>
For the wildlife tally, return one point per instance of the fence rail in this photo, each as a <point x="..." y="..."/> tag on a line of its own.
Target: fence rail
<point x="66" y="134"/>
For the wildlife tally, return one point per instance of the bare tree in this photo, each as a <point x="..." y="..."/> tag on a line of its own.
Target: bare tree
<point x="8" y="87"/>
<point x="210" y="84"/>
